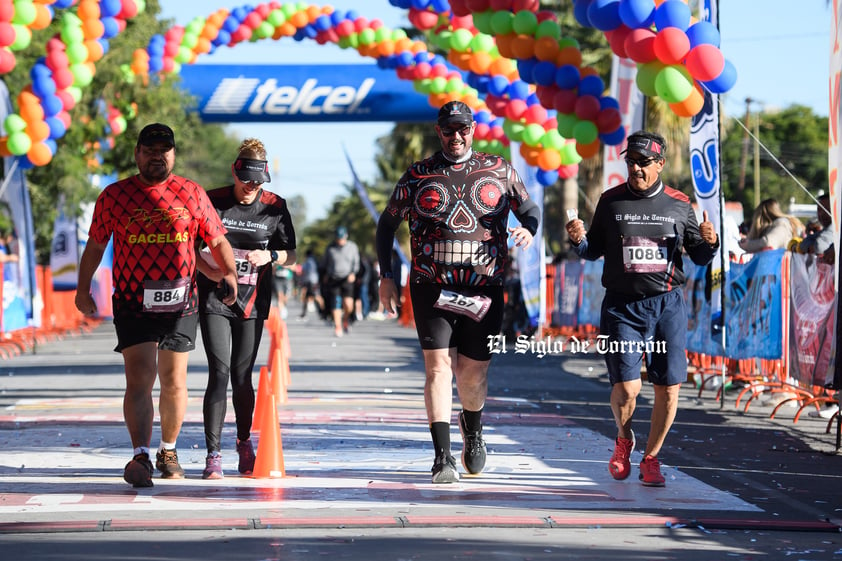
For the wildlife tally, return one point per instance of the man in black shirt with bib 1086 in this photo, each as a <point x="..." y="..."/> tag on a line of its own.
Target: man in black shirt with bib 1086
<point x="641" y="228"/>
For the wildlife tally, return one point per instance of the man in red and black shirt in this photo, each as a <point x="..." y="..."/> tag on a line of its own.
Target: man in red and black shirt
<point x="457" y="203"/>
<point x="154" y="218"/>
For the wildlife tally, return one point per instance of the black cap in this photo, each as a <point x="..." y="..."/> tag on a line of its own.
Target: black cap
<point x="248" y="169"/>
<point x="156" y="133"/>
<point x="647" y="144"/>
<point x="455" y="112"/>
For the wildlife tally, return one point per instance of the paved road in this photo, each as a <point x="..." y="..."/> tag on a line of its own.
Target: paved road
<point x="356" y="455"/>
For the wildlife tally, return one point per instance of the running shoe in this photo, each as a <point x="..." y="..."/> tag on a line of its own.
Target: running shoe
<point x="650" y="472"/>
<point x="444" y="470"/>
<point x="138" y="472"/>
<point x="213" y="467"/>
<point x="473" y="448"/>
<point x="167" y="463"/>
<point x="619" y="464"/>
<point x="246" y="452"/>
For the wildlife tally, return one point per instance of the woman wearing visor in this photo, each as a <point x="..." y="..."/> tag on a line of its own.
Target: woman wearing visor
<point x="261" y="233"/>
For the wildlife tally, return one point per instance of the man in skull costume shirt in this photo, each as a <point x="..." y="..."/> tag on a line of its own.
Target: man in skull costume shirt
<point x="457" y="204"/>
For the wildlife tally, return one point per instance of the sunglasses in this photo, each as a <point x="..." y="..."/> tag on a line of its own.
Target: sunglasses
<point x="640" y="163"/>
<point x="464" y="131"/>
<point x="251" y="183"/>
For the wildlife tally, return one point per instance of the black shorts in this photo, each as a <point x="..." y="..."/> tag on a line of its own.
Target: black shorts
<point x="443" y="329"/>
<point x="172" y="334"/>
<point x="338" y="290"/>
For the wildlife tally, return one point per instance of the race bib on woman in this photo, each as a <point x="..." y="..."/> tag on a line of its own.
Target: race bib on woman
<point x="246" y="272"/>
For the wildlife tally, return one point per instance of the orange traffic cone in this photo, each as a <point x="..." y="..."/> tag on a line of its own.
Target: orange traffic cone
<point x="269" y="461"/>
<point x="279" y="385"/>
<point x="283" y="334"/>
<point x="263" y="393"/>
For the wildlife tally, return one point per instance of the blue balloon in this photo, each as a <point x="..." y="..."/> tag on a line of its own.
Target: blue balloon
<point x="606" y="102"/>
<point x="525" y="67"/>
<point x="544" y="73"/>
<point x="42" y="86"/>
<point x="52" y="105"/>
<point x="110" y="8"/>
<point x="482" y="116"/>
<point x="637" y="14"/>
<point x="25" y="163"/>
<point x="337" y="17"/>
<point x="546" y="177"/>
<point x="110" y="28"/>
<point x="615" y="137"/>
<point x="591" y="85"/>
<point x="51" y="144"/>
<point x="567" y="77"/>
<point x="405" y="59"/>
<point x="230" y="24"/>
<point x="440" y="6"/>
<point x="605" y="14"/>
<point x="703" y="32"/>
<point x="420" y="4"/>
<point x="580" y="12"/>
<point x="533" y="99"/>
<point x="156" y="64"/>
<point x="673" y="13"/>
<point x="240" y="13"/>
<point x="155" y="49"/>
<point x="63" y="3"/>
<point x="518" y="89"/>
<point x="725" y="81"/>
<point x="222" y="38"/>
<point x="104" y="45"/>
<point x="498" y="86"/>
<point x="352" y="15"/>
<point x="481" y="83"/>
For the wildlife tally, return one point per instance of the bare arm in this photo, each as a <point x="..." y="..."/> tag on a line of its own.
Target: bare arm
<point x="91" y="258"/>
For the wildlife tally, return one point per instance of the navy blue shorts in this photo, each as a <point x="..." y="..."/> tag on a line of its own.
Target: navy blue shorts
<point x="171" y="334"/>
<point x="443" y="329"/>
<point x="654" y="328"/>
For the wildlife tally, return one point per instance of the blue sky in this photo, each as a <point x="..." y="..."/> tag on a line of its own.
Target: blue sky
<point x="780" y="49"/>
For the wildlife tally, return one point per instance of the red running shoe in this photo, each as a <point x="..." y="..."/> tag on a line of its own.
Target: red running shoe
<point x="619" y="464"/>
<point x="650" y="472"/>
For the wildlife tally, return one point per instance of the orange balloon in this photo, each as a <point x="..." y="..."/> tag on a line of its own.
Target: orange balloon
<point x="32" y="113"/>
<point x="298" y="19"/>
<point x="691" y="105"/>
<point x="88" y="10"/>
<point x="287" y="29"/>
<point x="140" y="67"/>
<point x="386" y="48"/>
<point x="92" y="29"/>
<point x="203" y="45"/>
<point x="209" y="31"/>
<point x="313" y="12"/>
<point x="437" y="99"/>
<point x="39" y="154"/>
<point x="569" y="55"/>
<point x="470" y="100"/>
<point x="502" y="66"/>
<point x="588" y="150"/>
<point x="523" y="46"/>
<point x="549" y="159"/>
<point x="38" y="131"/>
<point x="461" y="59"/>
<point x="504" y="45"/>
<point x="418" y="47"/>
<point x="479" y="63"/>
<point x="4" y="147"/>
<point x="530" y="154"/>
<point x="403" y="44"/>
<point x="546" y="48"/>
<point x="27" y="99"/>
<point x="95" y="50"/>
<point x="587" y="71"/>
<point x="42" y="17"/>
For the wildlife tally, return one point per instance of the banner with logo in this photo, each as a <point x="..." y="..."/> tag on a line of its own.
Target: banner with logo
<point x="303" y="93"/>
<point x="64" y="251"/>
<point x="632" y="109"/>
<point x="531" y="262"/>
<point x="834" y="123"/>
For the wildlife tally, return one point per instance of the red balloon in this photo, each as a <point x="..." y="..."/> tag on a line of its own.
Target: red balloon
<point x="566" y="172"/>
<point x="423" y="19"/>
<point x="171" y="48"/>
<point x="535" y="114"/>
<point x="438" y="71"/>
<point x="587" y="107"/>
<point x="63" y="78"/>
<point x="497" y="105"/>
<point x="482" y="129"/>
<point x="515" y="109"/>
<point x="564" y="101"/>
<point x="67" y="102"/>
<point x="459" y="8"/>
<point x="7" y="10"/>
<point x="550" y="124"/>
<point x="56" y="60"/>
<point x="344" y="28"/>
<point x="545" y="15"/>
<point x="545" y="95"/>
<point x="671" y="45"/>
<point x="530" y="5"/>
<point x="423" y="70"/>
<point x="499" y="5"/>
<point x="55" y="44"/>
<point x="640" y="45"/>
<point x="263" y="10"/>
<point x="129" y="10"/>
<point x="608" y="120"/>
<point x="7" y="61"/>
<point x="617" y="41"/>
<point x="7" y="34"/>
<point x="478" y="6"/>
<point x="253" y="20"/>
<point x="705" y="62"/>
<point x="360" y="23"/>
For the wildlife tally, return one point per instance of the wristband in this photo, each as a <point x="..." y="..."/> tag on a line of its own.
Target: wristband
<point x="387" y="275"/>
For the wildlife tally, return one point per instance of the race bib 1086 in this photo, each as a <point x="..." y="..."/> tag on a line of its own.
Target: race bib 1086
<point x="644" y="255"/>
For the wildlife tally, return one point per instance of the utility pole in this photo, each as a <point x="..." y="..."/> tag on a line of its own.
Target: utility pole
<point x="741" y="184"/>
<point x="757" y="160"/>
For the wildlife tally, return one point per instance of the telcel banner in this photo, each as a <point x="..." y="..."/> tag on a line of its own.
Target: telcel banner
<point x="303" y="93"/>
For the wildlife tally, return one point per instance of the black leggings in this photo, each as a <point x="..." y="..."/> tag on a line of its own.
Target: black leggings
<point x="231" y="347"/>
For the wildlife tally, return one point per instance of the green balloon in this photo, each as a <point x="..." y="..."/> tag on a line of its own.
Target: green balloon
<point x="423" y="85"/>
<point x="513" y="129"/>
<point x="264" y="30"/>
<point x="569" y="155"/>
<point x="72" y="34"/>
<point x="70" y="18"/>
<point x="568" y="42"/>
<point x="585" y="132"/>
<point x="367" y="36"/>
<point x="195" y="26"/>
<point x="75" y="92"/>
<point x="189" y="40"/>
<point x="276" y="17"/>
<point x="482" y="43"/>
<point x="673" y="83"/>
<point x="548" y="28"/>
<point x="552" y="139"/>
<point x="18" y="143"/>
<point x="288" y="9"/>
<point x="76" y="53"/>
<point x="566" y="122"/>
<point x="532" y="134"/>
<point x="442" y="39"/>
<point x="25" y="12"/>
<point x="460" y="40"/>
<point x="13" y="123"/>
<point x="438" y="85"/>
<point x="398" y="34"/>
<point x="525" y="22"/>
<point x="344" y="42"/>
<point x="184" y="54"/>
<point x="480" y="145"/>
<point x="482" y="21"/>
<point x="141" y="6"/>
<point x="501" y="22"/>
<point x="646" y="74"/>
<point x="382" y="33"/>
<point x="23" y="37"/>
<point x="82" y="75"/>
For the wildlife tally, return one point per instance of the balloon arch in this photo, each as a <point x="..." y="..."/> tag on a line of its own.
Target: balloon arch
<point x="507" y="59"/>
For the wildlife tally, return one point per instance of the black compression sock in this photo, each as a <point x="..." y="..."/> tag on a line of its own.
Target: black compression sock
<point x="473" y="420"/>
<point x="441" y="438"/>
